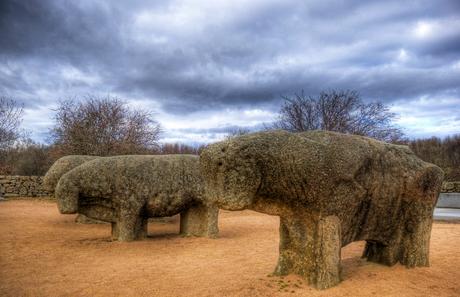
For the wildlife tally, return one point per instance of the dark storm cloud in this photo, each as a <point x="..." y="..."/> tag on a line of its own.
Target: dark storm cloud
<point x="189" y="56"/>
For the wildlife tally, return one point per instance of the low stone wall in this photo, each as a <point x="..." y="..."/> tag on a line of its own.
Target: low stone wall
<point x="451" y="187"/>
<point x="21" y="186"/>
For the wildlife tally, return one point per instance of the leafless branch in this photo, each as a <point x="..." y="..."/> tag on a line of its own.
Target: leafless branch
<point x="103" y="127"/>
<point x="340" y="111"/>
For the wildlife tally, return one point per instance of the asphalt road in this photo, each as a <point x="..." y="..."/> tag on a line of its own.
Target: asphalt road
<point x="447" y="214"/>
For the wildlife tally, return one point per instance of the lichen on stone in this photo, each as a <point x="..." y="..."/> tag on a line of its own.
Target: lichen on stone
<point x="60" y="167"/>
<point x="127" y="190"/>
<point x="329" y="189"/>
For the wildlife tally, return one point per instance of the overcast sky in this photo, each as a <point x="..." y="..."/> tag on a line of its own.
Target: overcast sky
<point x="205" y="66"/>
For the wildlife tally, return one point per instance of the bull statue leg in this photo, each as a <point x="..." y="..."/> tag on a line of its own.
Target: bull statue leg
<point x="140" y="230"/>
<point x="130" y="229"/>
<point x="416" y="245"/>
<point x="130" y="226"/>
<point x="310" y="247"/>
<point x="200" y="220"/>
<point x="386" y="253"/>
<point x="410" y="243"/>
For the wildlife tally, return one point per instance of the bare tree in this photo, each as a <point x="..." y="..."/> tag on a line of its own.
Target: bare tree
<point x="10" y="121"/>
<point x="237" y="131"/>
<point x="443" y="152"/>
<point x="27" y="157"/>
<point x="340" y="111"/>
<point x="179" y="148"/>
<point x="103" y="127"/>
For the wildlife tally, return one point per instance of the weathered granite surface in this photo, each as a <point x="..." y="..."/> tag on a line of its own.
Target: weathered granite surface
<point x="58" y="169"/>
<point x="127" y="190"/>
<point x="329" y="189"/>
<point x="62" y="166"/>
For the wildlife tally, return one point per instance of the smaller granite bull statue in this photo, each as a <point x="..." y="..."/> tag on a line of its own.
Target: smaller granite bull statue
<point x="127" y="190"/>
<point x="60" y="167"/>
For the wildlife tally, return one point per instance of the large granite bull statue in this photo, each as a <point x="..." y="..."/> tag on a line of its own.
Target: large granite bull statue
<point x="329" y="189"/>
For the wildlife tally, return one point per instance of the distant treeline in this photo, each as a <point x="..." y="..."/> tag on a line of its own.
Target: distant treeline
<point x="104" y="126"/>
<point x="108" y="126"/>
<point x="34" y="159"/>
<point x="443" y="152"/>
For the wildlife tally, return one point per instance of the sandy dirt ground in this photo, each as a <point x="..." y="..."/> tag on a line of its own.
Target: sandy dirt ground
<point x="44" y="253"/>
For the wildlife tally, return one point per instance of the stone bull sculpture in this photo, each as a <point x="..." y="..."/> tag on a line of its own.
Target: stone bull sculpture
<point x="127" y="190"/>
<point x="329" y="189"/>
<point x="60" y="167"/>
